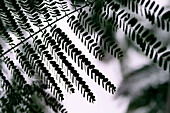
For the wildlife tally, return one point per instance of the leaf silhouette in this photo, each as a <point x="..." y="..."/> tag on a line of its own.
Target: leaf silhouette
<point x="44" y="55"/>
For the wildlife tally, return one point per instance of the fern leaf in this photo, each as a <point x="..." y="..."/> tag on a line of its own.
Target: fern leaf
<point x="11" y="22"/>
<point x="158" y="14"/>
<point x="42" y="71"/>
<point x="52" y="64"/>
<point x="19" y="15"/>
<point x="16" y="73"/>
<point x="5" y="34"/>
<point x="84" y="61"/>
<point x="101" y="37"/>
<point x="55" y="50"/>
<point x="75" y="25"/>
<point x="31" y="11"/>
<point x="144" y="37"/>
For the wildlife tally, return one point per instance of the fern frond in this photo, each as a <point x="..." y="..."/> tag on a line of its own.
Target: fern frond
<point x="58" y="55"/>
<point x="82" y="60"/>
<point x="151" y="10"/>
<point x="50" y="100"/>
<point x="52" y="65"/>
<point x="37" y="23"/>
<point x="101" y="37"/>
<point x="15" y="71"/>
<point x="5" y="83"/>
<point x="30" y="10"/>
<point x="144" y="38"/>
<point x="18" y="97"/>
<point x="44" y="74"/>
<point x="4" y="34"/>
<point x="19" y="15"/>
<point x="63" y="6"/>
<point x="10" y="22"/>
<point x="25" y="63"/>
<point x="91" y="44"/>
<point x="94" y="23"/>
<point x="54" y="10"/>
<point x="42" y="8"/>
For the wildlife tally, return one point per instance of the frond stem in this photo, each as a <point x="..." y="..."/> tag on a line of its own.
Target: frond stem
<point x="40" y="31"/>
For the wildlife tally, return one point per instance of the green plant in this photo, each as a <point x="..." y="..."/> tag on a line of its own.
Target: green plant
<point x="30" y="29"/>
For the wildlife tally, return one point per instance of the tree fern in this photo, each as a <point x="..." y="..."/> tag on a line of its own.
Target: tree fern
<point x="45" y="59"/>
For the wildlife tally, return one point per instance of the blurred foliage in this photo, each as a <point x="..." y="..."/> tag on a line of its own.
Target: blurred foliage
<point x="153" y="98"/>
